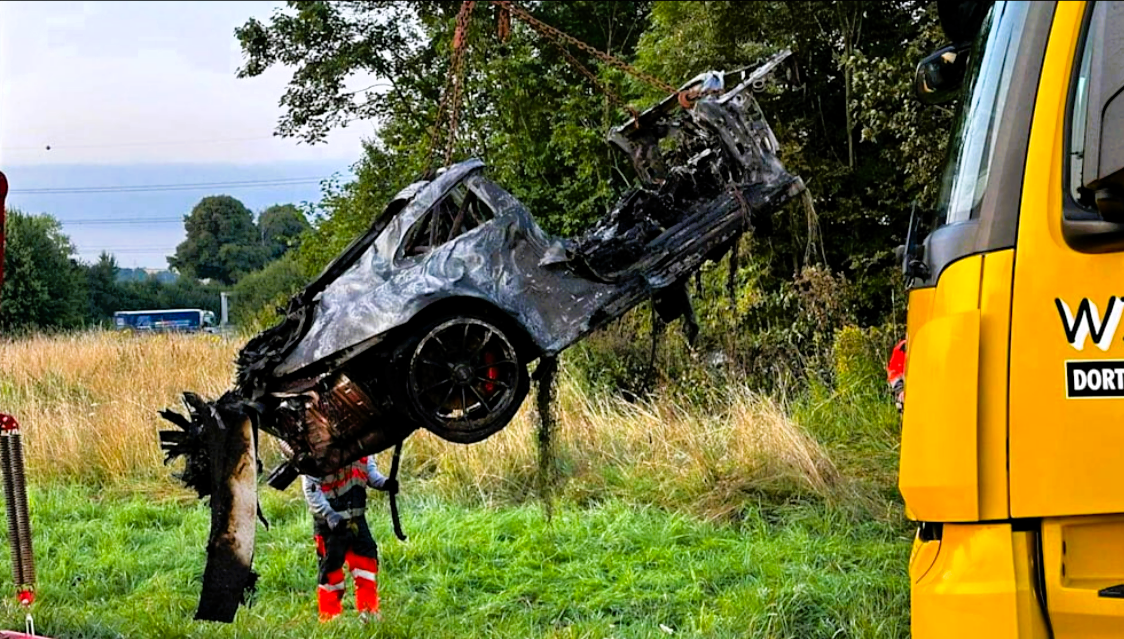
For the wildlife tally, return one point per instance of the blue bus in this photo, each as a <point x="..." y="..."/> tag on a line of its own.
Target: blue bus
<point x="178" y="320"/>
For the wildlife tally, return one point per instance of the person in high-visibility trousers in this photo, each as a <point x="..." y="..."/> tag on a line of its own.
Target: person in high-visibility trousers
<point x="338" y="502"/>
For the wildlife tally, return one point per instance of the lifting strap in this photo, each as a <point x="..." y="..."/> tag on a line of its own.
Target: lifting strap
<point x="394" y="495"/>
<point x="451" y="96"/>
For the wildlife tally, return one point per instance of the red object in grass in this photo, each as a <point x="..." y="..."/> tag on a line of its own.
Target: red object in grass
<point x="895" y="370"/>
<point x="895" y="375"/>
<point x="7" y="422"/>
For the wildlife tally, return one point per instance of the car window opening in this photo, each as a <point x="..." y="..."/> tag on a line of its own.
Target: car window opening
<point x="455" y="214"/>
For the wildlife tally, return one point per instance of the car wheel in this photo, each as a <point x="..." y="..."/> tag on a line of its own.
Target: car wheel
<point x="464" y="378"/>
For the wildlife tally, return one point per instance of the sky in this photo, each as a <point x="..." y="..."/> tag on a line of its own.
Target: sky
<point x="145" y="94"/>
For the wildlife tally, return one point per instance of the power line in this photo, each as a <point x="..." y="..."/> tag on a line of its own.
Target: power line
<point x="116" y="145"/>
<point x="148" y="188"/>
<point x="128" y="251"/>
<point x="127" y="248"/>
<point x="122" y="221"/>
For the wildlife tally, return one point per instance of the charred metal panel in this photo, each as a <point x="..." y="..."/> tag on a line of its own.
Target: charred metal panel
<point x="219" y="444"/>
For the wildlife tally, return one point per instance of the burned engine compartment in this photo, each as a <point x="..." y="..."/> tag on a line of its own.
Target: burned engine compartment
<point x="456" y="258"/>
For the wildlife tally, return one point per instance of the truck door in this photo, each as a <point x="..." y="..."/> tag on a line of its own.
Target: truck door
<point x="1066" y="388"/>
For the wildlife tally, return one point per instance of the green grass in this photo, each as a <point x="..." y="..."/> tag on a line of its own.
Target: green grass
<point x="740" y="516"/>
<point x="118" y="563"/>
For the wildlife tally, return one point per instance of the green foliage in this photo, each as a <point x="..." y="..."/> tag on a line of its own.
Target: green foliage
<point x="851" y="127"/>
<point x="347" y="210"/>
<point x="105" y="292"/>
<point x="861" y="356"/>
<point x="183" y="293"/>
<point x="127" y="562"/>
<point x="44" y="287"/>
<point x="281" y="227"/>
<point x="533" y="118"/>
<point x="327" y="43"/>
<point x="259" y="294"/>
<point x="222" y="241"/>
<point x="140" y="274"/>
<point x="908" y="134"/>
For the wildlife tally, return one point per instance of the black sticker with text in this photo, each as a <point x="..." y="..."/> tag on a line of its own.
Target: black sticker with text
<point x="1094" y="378"/>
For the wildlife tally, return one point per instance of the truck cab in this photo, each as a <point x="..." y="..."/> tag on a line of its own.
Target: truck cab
<point x="1012" y="449"/>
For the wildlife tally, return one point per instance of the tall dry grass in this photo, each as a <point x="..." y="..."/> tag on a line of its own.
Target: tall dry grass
<point x="662" y="452"/>
<point x="88" y="405"/>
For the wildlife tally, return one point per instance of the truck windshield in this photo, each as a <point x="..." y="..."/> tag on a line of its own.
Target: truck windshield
<point x="986" y="85"/>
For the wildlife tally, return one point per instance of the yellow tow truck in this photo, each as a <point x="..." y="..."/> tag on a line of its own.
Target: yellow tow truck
<point x="1012" y="451"/>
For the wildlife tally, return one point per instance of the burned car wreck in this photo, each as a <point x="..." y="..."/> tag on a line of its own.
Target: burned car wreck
<point x="431" y="318"/>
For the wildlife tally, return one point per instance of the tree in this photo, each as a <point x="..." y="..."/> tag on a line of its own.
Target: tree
<point x="849" y="128"/>
<point x="328" y="42"/>
<point x="222" y="241"/>
<point x="259" y="293"/>
<point x="852" y="129"/>
<point x="104" y="291"/>
<point x="44" y="287"/>
<point x="281" y="227"/>
<point x="534" y="118"/>
<point x="184" y="292"/>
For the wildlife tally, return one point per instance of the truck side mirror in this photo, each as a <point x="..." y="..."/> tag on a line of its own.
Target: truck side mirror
<point x="939" y="76"/>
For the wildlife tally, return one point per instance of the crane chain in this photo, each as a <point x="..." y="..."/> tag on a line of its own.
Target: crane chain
<point x="616" y="99"/>
<point x="453" y="88"/>
<point x="460" y="37"/>
<point x="553" y="33"/>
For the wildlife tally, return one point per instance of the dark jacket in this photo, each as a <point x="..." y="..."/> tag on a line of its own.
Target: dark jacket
<point x="344" y="491"/>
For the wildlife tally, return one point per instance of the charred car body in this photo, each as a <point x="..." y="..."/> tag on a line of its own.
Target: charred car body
<point x="431" y="318"/>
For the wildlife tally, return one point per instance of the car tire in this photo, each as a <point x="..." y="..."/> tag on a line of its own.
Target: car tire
<point x="464" y="375"/>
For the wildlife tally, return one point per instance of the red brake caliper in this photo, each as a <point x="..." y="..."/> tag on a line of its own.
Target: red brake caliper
<point x="492" y="373"/>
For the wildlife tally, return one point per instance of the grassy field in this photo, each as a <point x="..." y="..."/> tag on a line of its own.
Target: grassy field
<point x="750" y="520"/>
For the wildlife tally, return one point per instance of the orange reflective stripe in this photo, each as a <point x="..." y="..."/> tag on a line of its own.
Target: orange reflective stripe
<point x="338" y="483"/>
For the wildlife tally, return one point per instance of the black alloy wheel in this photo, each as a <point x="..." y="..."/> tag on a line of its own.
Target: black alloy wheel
<point x="464" y="379"/>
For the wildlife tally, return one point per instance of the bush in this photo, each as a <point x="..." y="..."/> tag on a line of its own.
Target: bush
<point x="772" y="336"/>
<point x="258" y="295"/>
<point x="860" y="356"/>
